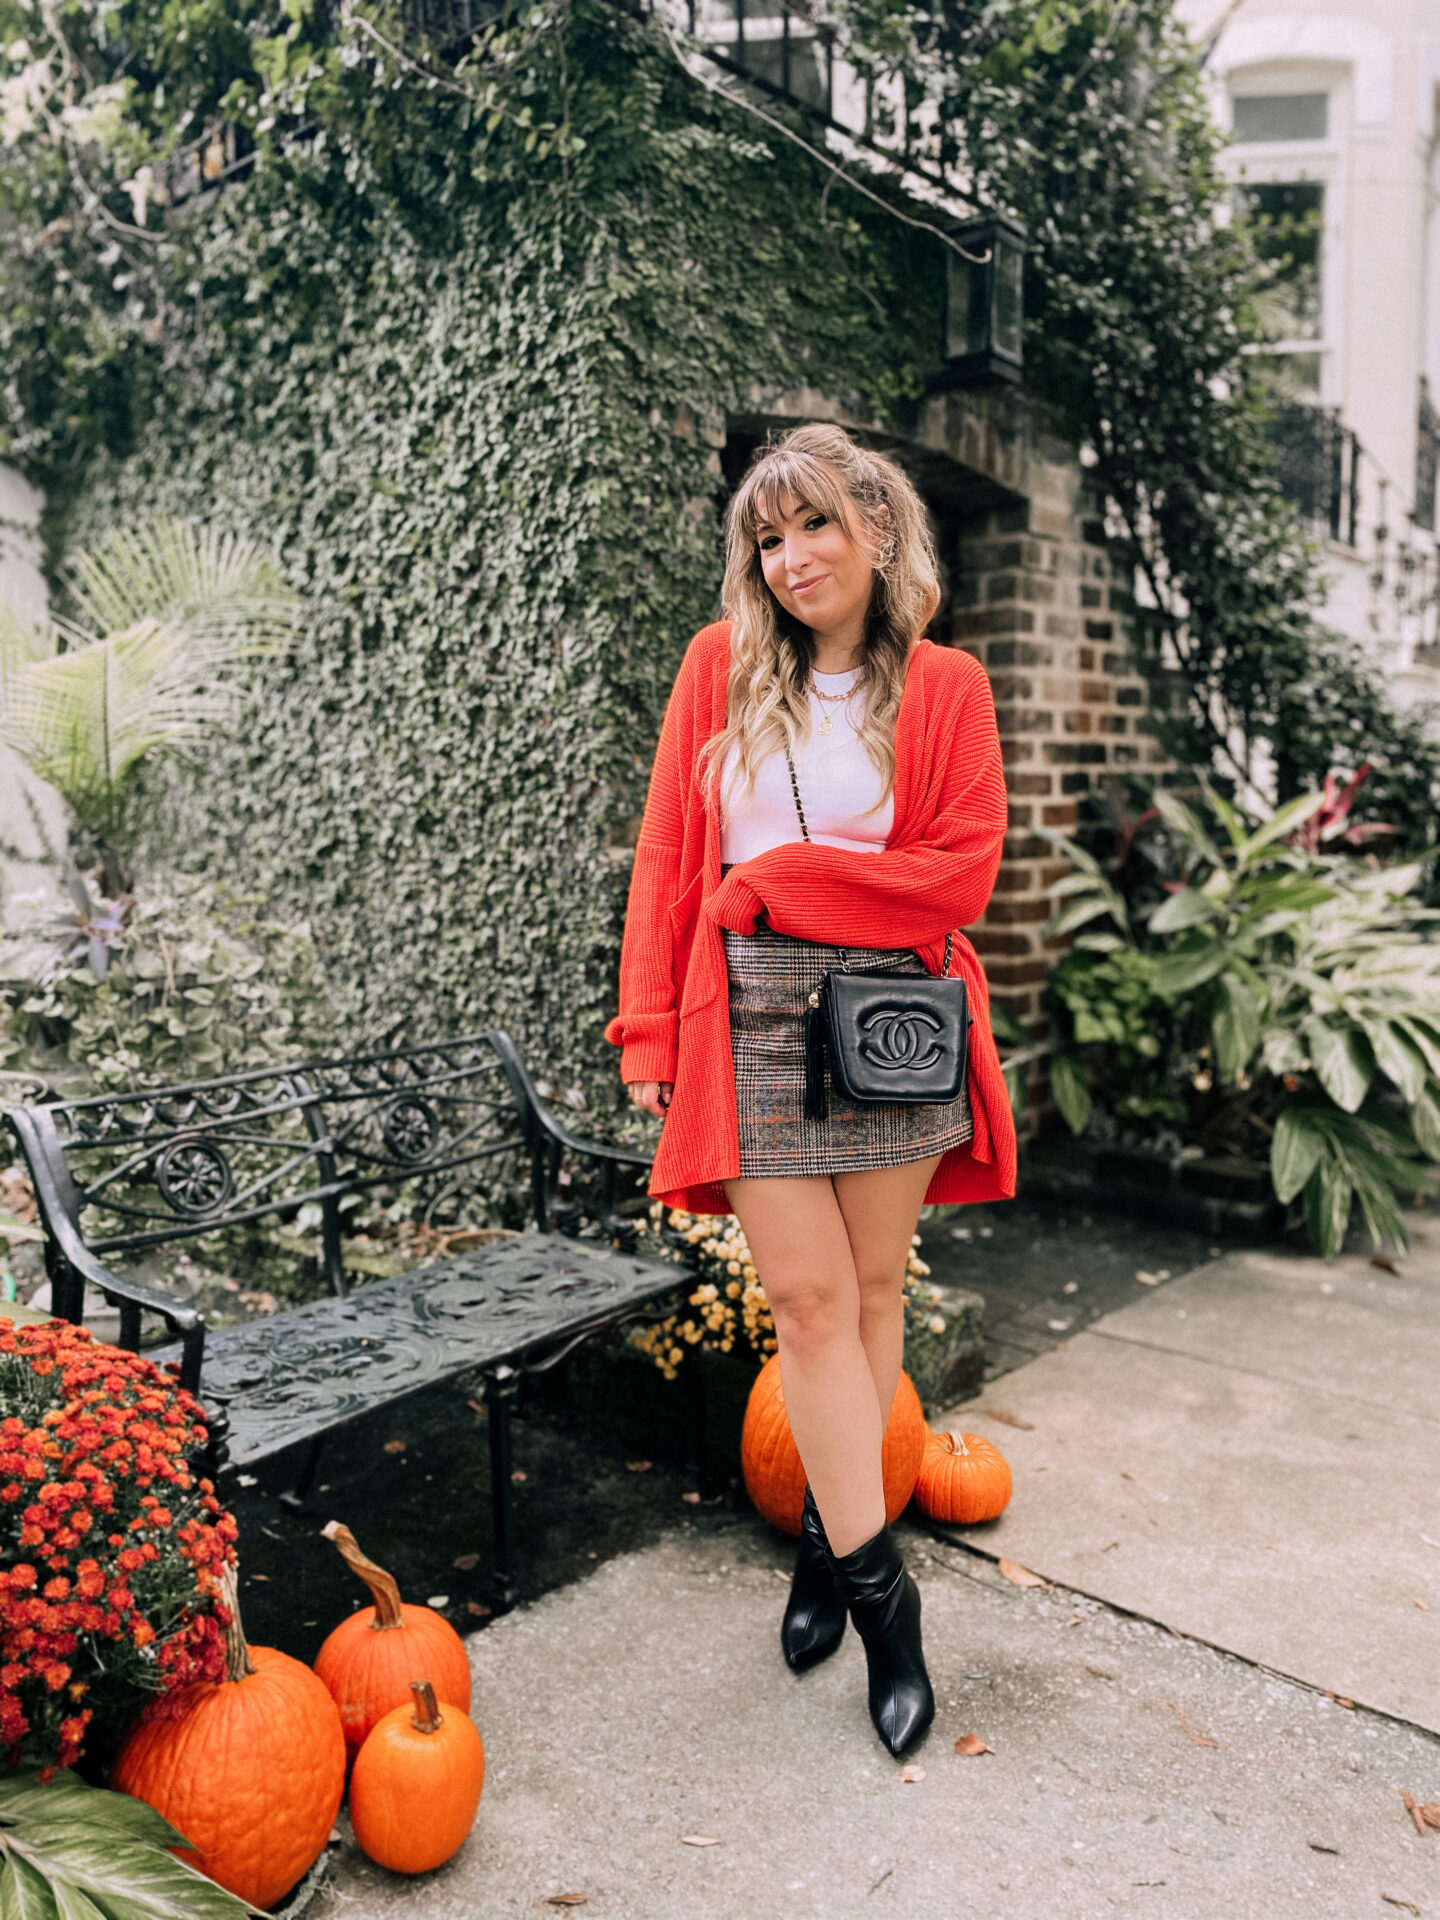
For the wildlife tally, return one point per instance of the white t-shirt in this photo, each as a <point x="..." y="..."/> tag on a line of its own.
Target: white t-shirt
<point x="839" y="787"/>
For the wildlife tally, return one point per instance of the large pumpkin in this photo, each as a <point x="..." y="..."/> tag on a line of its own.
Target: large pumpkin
<point x="251" y="1768"/>
<point x="416" y="1784"/>
<point x="963" y="1478"/>
<point x="774" y="1476"/>
<point x="370" y="1659"/>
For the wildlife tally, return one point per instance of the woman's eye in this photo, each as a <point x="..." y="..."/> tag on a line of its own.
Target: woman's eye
<point x="770" y="541"/>
<point x="816" y="521"/>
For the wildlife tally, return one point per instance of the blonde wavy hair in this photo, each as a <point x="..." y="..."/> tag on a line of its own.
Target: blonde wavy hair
<point x="771" y="653"/>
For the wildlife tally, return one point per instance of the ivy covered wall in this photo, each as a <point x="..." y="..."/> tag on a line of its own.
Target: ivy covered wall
<point x="463" y="392"/>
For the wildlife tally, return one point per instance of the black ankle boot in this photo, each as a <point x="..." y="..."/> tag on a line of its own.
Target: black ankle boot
<point x="884" y="1603"/>
<point x="814" y="1623"/>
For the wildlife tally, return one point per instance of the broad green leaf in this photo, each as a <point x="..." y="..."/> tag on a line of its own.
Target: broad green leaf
<point x="1178" y="817"/>
<point x="1291" y="893"/>
<point x="1398" y="1058"/>
<point x="1184" y="909"/>
<point x="1416" y="1031"/>
<point x="1017" y="1086"/>
<point x="72" y="1904"/>
<point x="24" y="1893"/>
<point x="1072" y="883"/>
<point x="69" y="1803"/>
<point x="1100" y="943"/>
<point x="112" y="1871"/>
<point x="1281" y="1051"/>
<point x="1234" y="1026"/>
<point x="1075" y="915"/>
<point x="1425" y="1119"/>
<point x="1383" y="1219"/>
<point x="1281" y="824"/>
<point x="1071" y="1091"/>
<point x="1229" y="817"/>
<point x="1327" y="1207"/>
<point x="1178" y="973"/>
<point x="1296" y="1147"/>
<point x="1343" y="1062"/>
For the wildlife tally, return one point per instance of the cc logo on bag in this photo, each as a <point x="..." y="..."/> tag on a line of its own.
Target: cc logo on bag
<point x="895" y="1040"/>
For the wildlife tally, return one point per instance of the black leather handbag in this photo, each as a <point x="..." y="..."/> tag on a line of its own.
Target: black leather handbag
<point x="892" y="1039"/>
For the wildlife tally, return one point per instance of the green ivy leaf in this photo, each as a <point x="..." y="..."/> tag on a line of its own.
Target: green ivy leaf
<point x="1184" y="909"/>
<point x="1328" y="1194"/>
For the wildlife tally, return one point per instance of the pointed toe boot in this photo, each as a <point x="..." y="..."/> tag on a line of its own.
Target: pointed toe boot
<point x="814" y="1622"/>
<point x="884" y="1604"/>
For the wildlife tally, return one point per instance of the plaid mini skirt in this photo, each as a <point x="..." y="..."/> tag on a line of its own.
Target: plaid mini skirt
<point x="771" y="979"/>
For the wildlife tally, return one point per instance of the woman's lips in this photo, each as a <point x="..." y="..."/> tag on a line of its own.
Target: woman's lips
<point x="809" y="586"/>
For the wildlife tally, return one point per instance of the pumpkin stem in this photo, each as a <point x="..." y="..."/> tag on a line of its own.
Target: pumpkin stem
<point x="238" y="1664"/>
<point x="383" y="1590"/>
<point x="426" y="1717"/>
<point x="957" y="1444"/>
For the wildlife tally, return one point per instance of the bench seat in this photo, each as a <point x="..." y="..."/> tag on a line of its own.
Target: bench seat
<point x="296" y="1375"/>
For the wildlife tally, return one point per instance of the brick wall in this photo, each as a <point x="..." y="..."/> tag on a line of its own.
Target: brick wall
<point x="1035" y="600"/>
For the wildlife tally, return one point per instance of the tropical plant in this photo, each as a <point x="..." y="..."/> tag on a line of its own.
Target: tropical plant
<point x="1276" y="991"/>
<point x="68" y="1849"/>
<point x="162" y="612"/>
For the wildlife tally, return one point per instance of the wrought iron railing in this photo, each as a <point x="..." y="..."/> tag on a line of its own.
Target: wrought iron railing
<point x="1317" y="462"/>
<point x="1427" y="459"/>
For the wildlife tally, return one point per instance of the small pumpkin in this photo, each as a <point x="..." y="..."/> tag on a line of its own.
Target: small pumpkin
<point x="370" y="1659"/>
<point x="251" y="1768"/>
<point x="963" y="1478"/>
<point x="417" y="1783"/>
<point x="774" y="1475"/>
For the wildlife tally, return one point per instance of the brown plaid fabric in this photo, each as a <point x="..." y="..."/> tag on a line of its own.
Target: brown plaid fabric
<point x="771" y="978"/>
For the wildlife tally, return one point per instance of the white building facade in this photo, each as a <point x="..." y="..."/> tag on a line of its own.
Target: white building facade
<point x="1334" y="112"/>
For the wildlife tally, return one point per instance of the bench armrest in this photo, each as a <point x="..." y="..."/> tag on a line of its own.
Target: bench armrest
<point x="132" y="1299"/>
<point x="536" y="1115"/>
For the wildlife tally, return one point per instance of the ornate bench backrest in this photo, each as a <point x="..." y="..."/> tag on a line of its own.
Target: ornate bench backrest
<point x="137" y="1170"/>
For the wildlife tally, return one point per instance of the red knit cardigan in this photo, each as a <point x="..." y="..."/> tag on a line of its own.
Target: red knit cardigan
<point x="935" y="874"/>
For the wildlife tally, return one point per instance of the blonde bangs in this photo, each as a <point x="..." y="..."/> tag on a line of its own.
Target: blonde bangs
<point x="771" y="653"/>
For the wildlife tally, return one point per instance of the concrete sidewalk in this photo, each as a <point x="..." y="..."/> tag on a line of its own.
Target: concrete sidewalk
<point x="1134" y="1771"/>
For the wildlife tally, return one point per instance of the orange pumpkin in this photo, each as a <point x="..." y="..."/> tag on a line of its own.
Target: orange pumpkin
<point x="774" y="1476"/>
<point x="963" y="1478"/>
<point x="370" y="1659"/>
<point x="417" y="1783"/>
<point x="251" y="1768"/>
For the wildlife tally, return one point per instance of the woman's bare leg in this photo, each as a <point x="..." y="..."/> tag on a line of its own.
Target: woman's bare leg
<point x="801" y="1249"/>
<point x="880" y="1209"/>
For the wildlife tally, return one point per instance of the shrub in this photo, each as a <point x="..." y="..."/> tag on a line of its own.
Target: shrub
<point x="189" y="980"/>
<point x="1273" y="992"/>
<point x="111" y="1545"/>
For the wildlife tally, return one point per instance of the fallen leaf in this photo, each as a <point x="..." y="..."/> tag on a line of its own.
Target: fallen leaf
<point x="911" y="1774"/>
<point x="1424" y="1817"/>
<point x="638" y="1466"/>
<point x="1318" y="1846"/>
<point x="1109" y="1546"/>
<point x="698" y="1840"/>
<point x="478" y="1608"/>
<point x="263" y="1577"/>
<point x="691" y="1499"/>
<point x="1385" y="1266"/>
<point x="1147" y="1279"/>
<point x="394" y="1446"/>
<point x="476" y="1406"/>
<point x="1339" y="1699"/>
<point x="245" y="1480"/>
<point x="519" y="1474"/>
<point x="1008" y="1419"/>
<point x="1021" y="1576"/>
<point x="1422" y="1606"/>
<point x="463" y="1562"/>
<point x="1100" y="1673"/>
<point x="1394" y="1900"/>
<point x="970" y="1744"/>
<point x="1059" y="1326"/>
<point x="1191" y="1733"/>
<point x="438" y="1600"/>
<point x="567" y="1899"/>
<point x="1126" y="1476"/>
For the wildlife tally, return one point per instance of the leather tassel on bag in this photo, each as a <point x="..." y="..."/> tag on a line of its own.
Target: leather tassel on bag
<point x="813" y="1035"/>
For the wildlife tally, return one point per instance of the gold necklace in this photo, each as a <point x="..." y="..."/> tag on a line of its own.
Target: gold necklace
<point x="827" y="720"/>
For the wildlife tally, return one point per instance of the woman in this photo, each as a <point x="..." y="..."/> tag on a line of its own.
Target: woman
<point x="827" y="791"/>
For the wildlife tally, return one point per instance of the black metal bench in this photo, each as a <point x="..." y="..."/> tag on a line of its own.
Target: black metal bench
<point x="123" y="1173"/>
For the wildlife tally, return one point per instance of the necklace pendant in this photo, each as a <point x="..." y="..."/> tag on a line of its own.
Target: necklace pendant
<point x="827" y="722"/>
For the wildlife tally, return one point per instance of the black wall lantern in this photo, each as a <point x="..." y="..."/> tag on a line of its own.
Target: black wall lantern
<point x="984" y="302"/>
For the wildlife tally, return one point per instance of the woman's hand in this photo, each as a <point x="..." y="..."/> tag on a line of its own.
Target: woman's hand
<point x="651" y="1095"/>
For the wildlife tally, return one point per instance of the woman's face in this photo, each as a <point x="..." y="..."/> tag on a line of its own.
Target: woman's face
<point x="813" y="568"/>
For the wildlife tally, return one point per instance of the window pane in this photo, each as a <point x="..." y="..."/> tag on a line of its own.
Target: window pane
<point x="1282" y="116"/>
<point x="1288" y="219"/>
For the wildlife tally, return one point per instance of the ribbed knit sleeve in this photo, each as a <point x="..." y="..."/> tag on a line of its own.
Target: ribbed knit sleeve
<point x="912" y="893"/>
<point x="646" y="1029"/>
